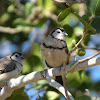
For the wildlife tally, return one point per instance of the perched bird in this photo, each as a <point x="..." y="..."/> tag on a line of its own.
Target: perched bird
<point x="9" y="64"/>
<point x="54" y="50"/>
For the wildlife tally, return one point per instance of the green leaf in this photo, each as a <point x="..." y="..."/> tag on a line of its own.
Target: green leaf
<point x="82" y="75"/>
<point x="10" y="8"/>
<point x="83" y="97"/>
<point x="28" y="8"/>
<point x="94" y="7"/>
<point x="46" y="5"/>
<point x="54" y="95"/>
<point x="85" y="17"/>
<point x="95" y="23"/>
<point x="40" y="3"/>
<point x="86" y="25"/>
<point x="5" y="17"/>
<point x="62" y="15"/>
<point x="22" y="22"/>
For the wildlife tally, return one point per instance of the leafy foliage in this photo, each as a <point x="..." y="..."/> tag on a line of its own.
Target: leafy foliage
<point x="34" y="26"/>
<point x="63" y="14"/>
<point x="83" y="97"/>
<point x="18" y="94"/>
<point x="94" y="7"/>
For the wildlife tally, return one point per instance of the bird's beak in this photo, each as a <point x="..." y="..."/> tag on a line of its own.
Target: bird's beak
<point x="65" y="34"/>
<point x="22" y="57"/>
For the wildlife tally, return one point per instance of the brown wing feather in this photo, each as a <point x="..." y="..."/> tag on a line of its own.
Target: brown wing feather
<point x="6" y="65"/>
<point x="67" y="51"/>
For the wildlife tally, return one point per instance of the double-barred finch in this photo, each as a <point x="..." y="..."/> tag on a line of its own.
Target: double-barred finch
<point x="54" y="50"/>
<point x="10" y="63"/>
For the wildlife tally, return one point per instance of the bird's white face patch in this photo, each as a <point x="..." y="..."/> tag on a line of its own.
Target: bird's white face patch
<point x="17" y="57"/>
<point x="59" y="34"/>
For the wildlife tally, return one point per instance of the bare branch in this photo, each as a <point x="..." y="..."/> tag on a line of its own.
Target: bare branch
<point x="50" y="15"/>
<point x="21" y="81"/>
<point x="91" y="61"/>
<point x="13" y="30"/>
<point x="69" y="1"/>
<point x="58" y="86"/>
<point x="86" y="47"/>
<point x="36" y="11"/>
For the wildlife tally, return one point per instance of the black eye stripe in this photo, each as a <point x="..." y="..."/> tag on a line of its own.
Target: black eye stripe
<point x="62" y="30"/>
<point x="58" y="31"/>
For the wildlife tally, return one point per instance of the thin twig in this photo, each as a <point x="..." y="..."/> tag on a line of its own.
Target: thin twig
<point x="81" y="61"/>
<point x="83" y="37"/>
<point x="64" y="83"/>
<point x="86" y="47"/>
<point x="64" y="77"/>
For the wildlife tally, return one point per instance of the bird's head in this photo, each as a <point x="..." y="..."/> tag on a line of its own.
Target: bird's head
<point x="59" y="33"/>
<point x="16" y="56"/>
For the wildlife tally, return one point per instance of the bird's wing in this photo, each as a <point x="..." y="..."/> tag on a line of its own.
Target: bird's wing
<point x="6" y="65"/>
<point x="48" y="41"/>
<point x="42" y="51"/>
<point x="67" y="51"/>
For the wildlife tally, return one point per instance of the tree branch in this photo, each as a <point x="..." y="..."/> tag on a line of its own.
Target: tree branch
<point x="21" y="81"/>
<point x="58" y="86"/>
<point x="89" y="61"/>
<point x="86" y="47"/>
<point x="13" y="30"/>
<point x="70" y="1"/>
<point x="83" y="37"/>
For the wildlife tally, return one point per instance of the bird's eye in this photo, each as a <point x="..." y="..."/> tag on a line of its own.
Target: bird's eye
<point x="16" y="55"/>
<point x="58" y="31"/>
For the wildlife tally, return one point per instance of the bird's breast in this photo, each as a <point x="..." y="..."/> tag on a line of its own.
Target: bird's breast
<point x="54" y="51"/>
<point x="55" y="57"/>
<point x="19" y="67"/>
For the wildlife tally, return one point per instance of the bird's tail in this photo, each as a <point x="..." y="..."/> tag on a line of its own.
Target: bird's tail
<point x="59" y="80"/>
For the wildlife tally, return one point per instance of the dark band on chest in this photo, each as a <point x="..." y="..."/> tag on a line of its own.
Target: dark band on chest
<point x="51" y="47"/>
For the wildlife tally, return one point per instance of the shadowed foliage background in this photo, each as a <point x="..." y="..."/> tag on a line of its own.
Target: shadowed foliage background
<point x="24" y="24"/>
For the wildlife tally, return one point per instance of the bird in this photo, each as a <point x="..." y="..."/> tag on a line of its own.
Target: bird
<point x="10" y="63"/>
<point x="54" y="50"/>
